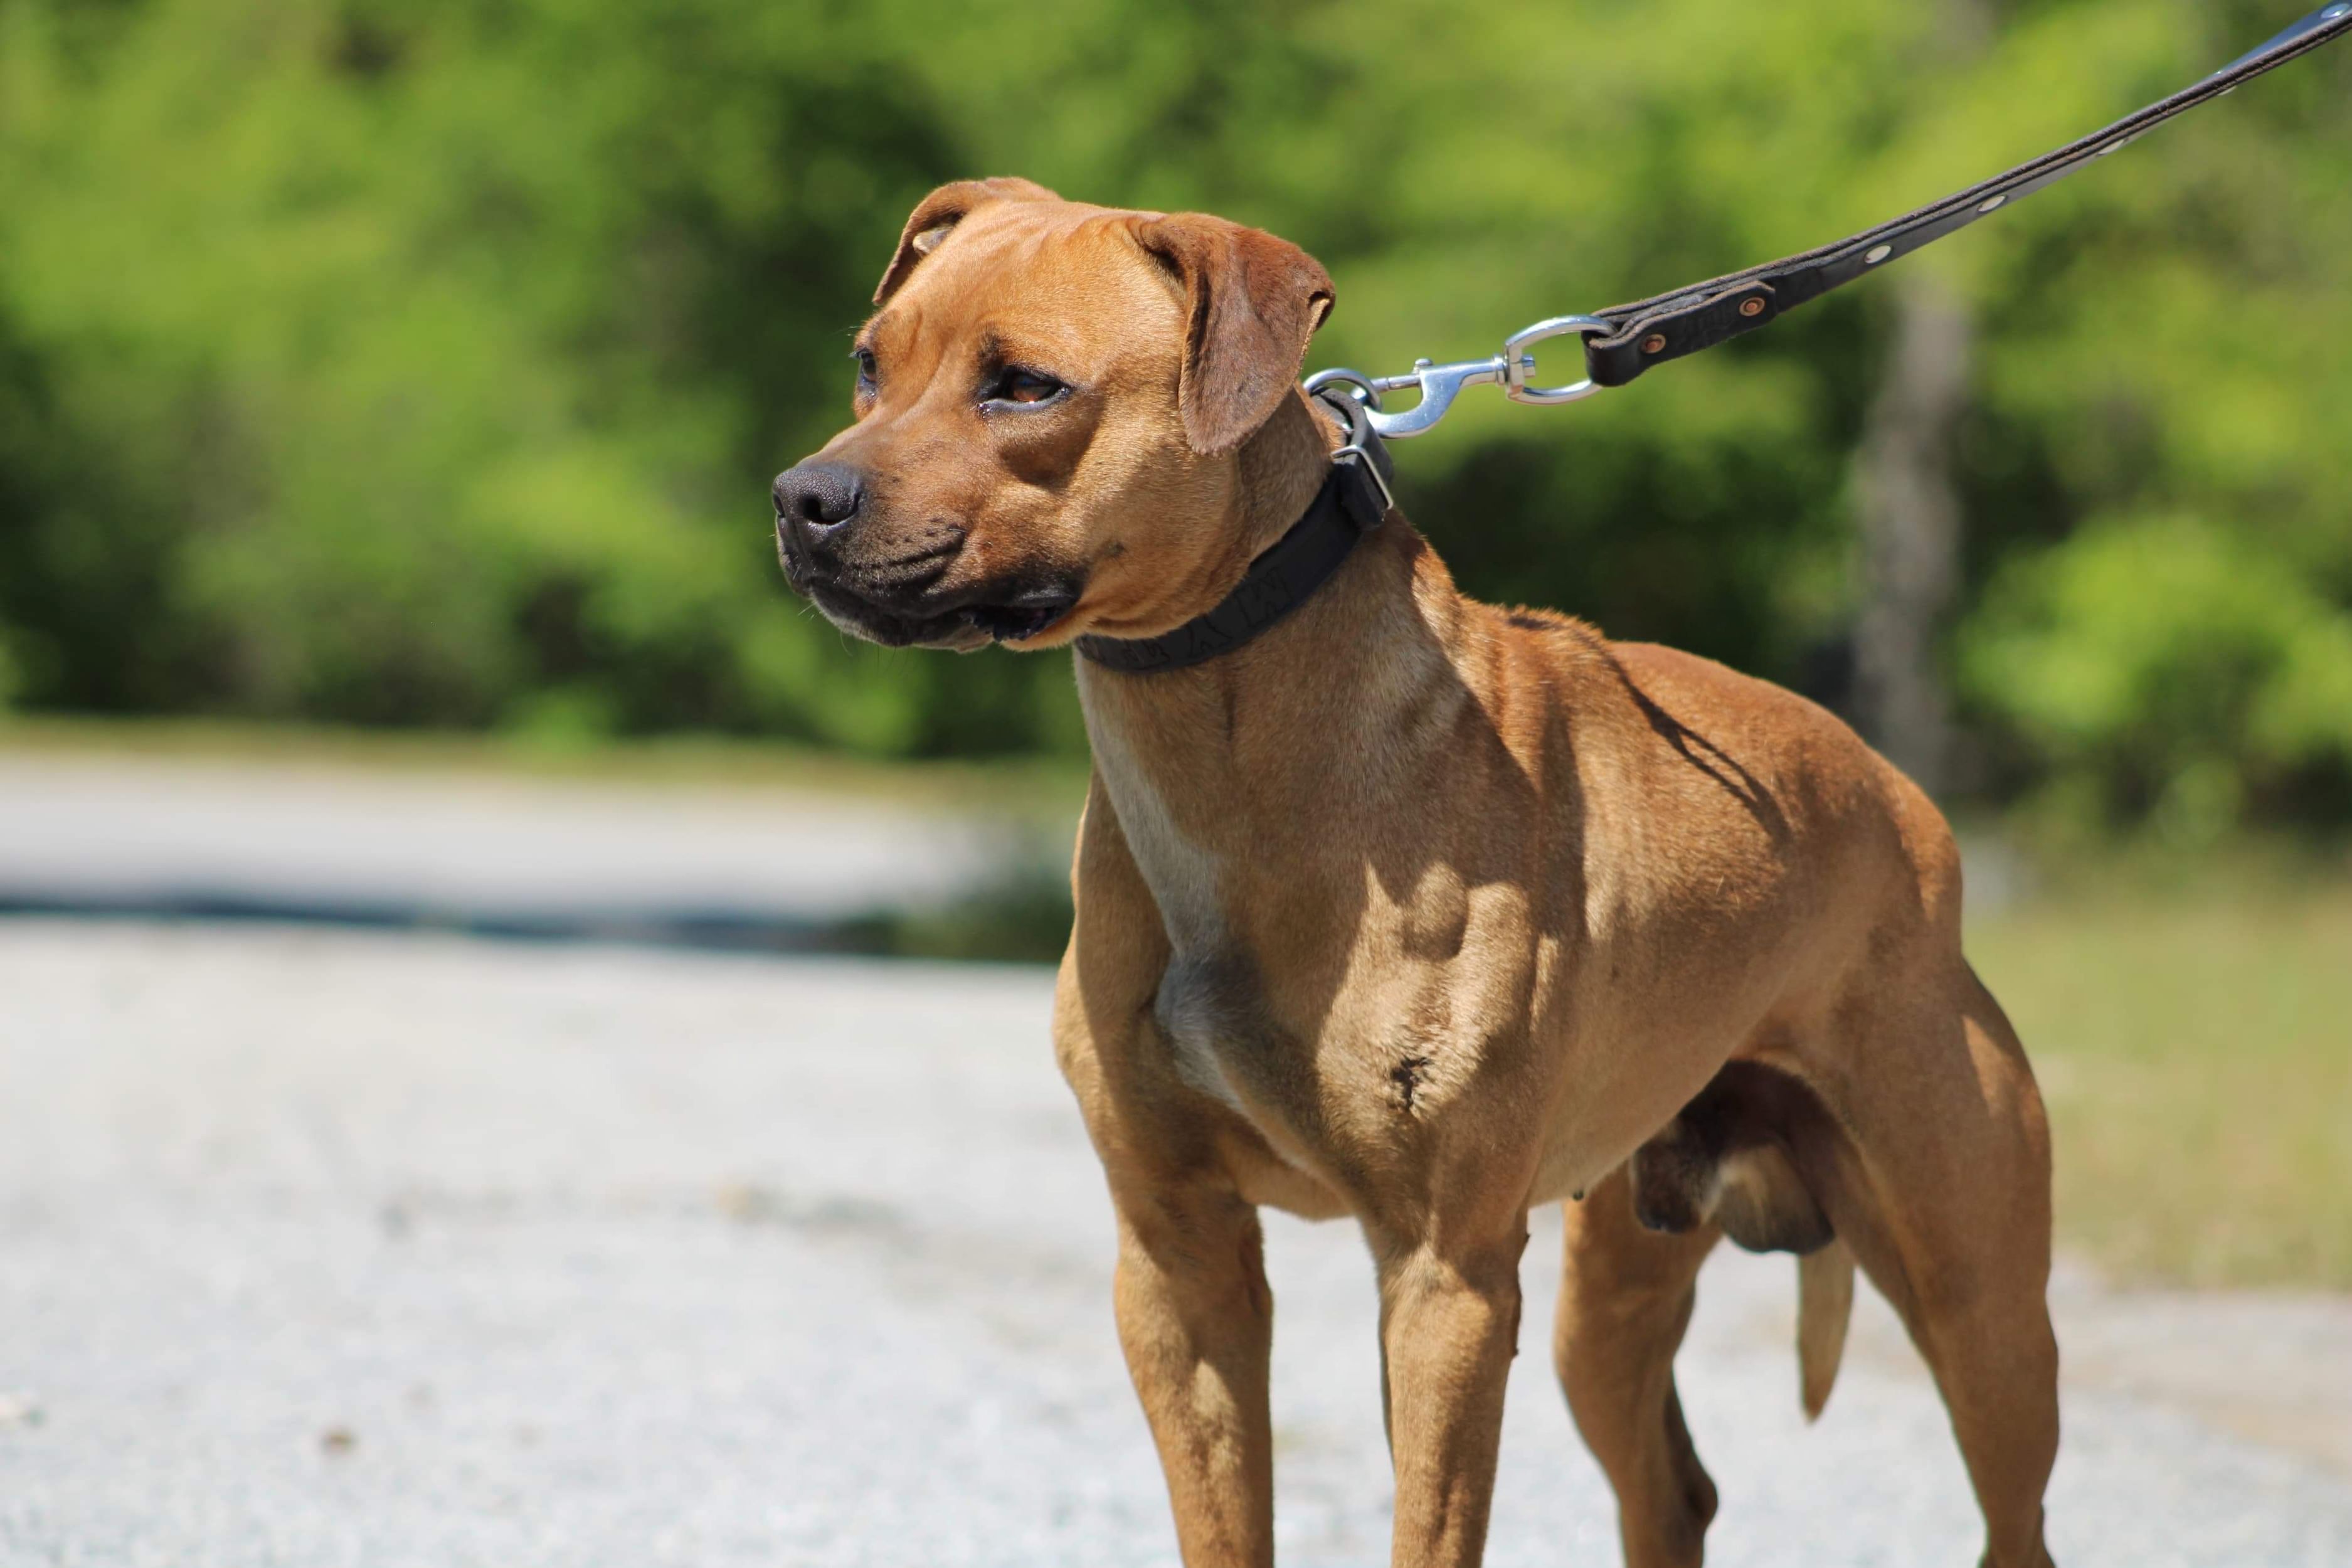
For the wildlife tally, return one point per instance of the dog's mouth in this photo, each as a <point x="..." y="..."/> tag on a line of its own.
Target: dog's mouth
<point x="1028" y="616"/>
<point x="963" y="620"/>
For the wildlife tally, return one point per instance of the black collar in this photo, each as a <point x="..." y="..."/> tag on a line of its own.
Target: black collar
<point x="1352" y="503"/>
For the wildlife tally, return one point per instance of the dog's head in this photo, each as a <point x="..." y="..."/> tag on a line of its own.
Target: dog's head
<point x="1054" y="403"/>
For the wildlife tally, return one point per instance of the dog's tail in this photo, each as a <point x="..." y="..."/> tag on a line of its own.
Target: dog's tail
<point x="1824" y="1305"/>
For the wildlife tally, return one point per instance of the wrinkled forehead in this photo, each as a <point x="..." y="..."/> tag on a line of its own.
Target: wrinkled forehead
<point x="1059" y="274"/>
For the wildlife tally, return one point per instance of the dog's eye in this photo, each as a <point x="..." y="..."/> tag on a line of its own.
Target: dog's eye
<point x="1018" y="385"/>
<point x="866" y="372"/>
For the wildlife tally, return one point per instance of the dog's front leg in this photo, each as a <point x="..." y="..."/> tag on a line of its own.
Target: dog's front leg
<point x="1449" y="1326"/>
<point x="1196" y="1320"/>
<point x="1195" y="1317"/>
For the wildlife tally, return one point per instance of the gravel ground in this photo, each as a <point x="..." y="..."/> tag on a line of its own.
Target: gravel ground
<point x="323" y="1249"/>
<point x="105" y="832"/>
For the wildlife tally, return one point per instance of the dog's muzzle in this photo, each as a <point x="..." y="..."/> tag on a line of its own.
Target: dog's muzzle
<point x="901" y="600"/>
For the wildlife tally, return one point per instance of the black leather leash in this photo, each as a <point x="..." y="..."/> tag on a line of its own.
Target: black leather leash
<point x="1668" y="326"/>
<point x="1355" y="496"/>
<point x="1624" y="341"/>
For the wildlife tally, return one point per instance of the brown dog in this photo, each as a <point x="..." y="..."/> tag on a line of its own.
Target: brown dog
<point x="1424" y="912"/>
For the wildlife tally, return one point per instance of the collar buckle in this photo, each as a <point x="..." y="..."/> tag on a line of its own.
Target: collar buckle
<point x="1362" y="456"/>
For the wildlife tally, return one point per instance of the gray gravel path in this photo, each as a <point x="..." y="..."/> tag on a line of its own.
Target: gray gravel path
<point x="320" y="1249"/>
<point x="159" y="833"/>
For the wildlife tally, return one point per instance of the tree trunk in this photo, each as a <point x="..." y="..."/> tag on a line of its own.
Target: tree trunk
<point x="1911" y="534"/>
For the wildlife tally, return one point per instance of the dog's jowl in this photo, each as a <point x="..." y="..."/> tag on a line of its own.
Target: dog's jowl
<point x="1418" y="911"/>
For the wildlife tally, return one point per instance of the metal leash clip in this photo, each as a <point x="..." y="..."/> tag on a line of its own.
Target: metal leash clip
<point x="1440" y="383"/>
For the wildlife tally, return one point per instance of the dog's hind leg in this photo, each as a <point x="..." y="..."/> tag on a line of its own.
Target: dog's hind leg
<point x="1626" y="1294"/>
<point x="1943" y="1193"/>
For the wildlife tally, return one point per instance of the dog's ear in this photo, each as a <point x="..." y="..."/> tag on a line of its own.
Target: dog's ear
<point x="1251" y="303"/>
<point x="941" y="211"/>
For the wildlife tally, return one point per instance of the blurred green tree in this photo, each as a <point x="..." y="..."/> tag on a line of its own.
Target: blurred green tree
<point x="424" y="362"/>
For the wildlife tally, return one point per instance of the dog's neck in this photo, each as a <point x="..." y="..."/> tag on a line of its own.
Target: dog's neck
<point x="1311" y="717"/>
<point x="1282" y="468"/>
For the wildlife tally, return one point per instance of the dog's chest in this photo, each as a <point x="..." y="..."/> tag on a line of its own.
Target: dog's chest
<point x="1182" y="874"/>
<point x="1209" y="1007"/>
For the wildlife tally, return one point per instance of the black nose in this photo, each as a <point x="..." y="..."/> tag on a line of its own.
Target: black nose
<point x="816" y="497"/>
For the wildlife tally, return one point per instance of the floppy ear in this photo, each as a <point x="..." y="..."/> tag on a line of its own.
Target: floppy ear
<point x="941" y="211"/>
<point x="1251" y="303"/>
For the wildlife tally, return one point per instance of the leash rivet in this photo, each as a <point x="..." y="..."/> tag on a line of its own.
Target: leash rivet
<point x="2336" y="13"/>
<point x="1751" y="307"/>
<point x="1989" y="203"/>
<point x="1656" y="343"/>
<point x="1879" y="255"/>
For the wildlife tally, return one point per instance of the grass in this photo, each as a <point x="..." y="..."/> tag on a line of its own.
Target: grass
<point x="1047" y="789"/>
<point x="2193" y="1036"/>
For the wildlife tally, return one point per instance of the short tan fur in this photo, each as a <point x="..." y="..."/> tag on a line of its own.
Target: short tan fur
<point x="1420" y="913"/>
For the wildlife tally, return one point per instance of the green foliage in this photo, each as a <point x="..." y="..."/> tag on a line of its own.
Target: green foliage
<point x="437" y="354"/>
<point x="2161" y="667"/>
<point x="424" y="364"/>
